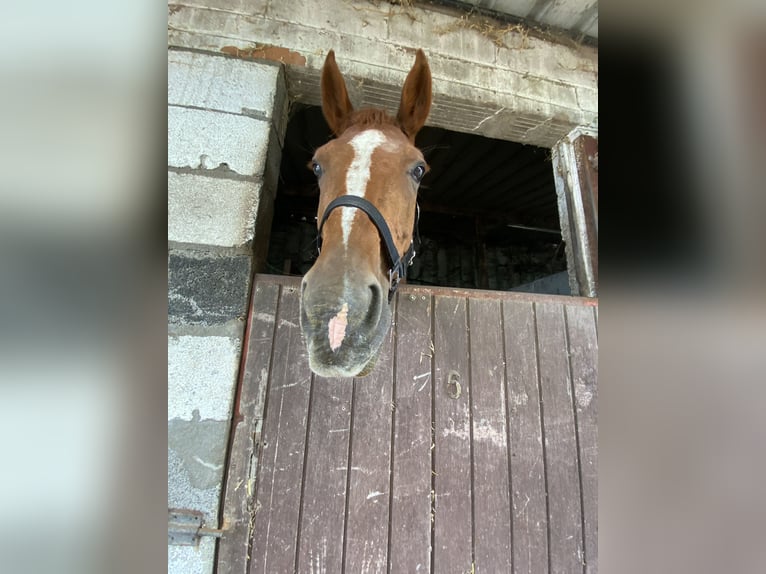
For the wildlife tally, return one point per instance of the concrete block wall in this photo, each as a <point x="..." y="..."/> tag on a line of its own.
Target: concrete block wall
<point x="226" y="122"/>
<point x="226" y="125"/>
<point x="494" y="80"/>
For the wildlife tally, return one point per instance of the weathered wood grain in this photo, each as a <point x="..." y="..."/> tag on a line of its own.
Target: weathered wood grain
<point x="370" y="467"/>
<point x="320" y="547"/>
<point x="410" y="539"/>
<point x="563" y="479"/>
<point x="491" y="488"/>
<point x="476" y="460"/>
<point x="583" y="349"/>
<point x="530" y="517"/>
<point x="246" y="431"/>
<point x="453" y="524"/>
<point x="284" y="435"/>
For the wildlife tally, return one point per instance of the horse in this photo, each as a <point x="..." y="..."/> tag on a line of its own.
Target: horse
<point x="368" y="178"/>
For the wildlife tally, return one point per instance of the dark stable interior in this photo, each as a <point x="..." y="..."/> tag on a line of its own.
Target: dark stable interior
<point x="488" y="211"/>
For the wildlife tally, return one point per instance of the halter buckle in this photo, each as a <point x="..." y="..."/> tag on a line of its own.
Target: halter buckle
<point x="394" y="276"/>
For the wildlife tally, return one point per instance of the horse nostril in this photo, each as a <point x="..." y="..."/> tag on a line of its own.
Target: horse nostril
<point x="375" y="292"/>
<point x="373" y="311"/>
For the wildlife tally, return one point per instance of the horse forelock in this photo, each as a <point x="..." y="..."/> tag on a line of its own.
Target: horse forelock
<point x="371" y="118"/>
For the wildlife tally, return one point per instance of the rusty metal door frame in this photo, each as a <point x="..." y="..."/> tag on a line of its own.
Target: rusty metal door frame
<point x="575" y="170"/>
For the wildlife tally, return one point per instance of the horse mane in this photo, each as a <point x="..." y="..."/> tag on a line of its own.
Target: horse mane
<point x="372" y="117"/>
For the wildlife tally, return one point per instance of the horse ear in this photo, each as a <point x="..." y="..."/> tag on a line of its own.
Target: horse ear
<point x="336" y="106"/>
<point x="416" y="97"/>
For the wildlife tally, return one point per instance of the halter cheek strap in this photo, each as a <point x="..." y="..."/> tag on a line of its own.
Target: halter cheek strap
<point x="398" y="269"/>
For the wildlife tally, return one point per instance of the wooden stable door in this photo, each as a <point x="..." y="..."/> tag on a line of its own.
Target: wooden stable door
<point x="471" y="447"/>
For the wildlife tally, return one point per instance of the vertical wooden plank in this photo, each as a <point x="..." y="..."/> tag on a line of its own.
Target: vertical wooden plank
<point x="370" y="467"/>
<point x="246" y="431"/>
<point x="491" y="488"/>
<point x="320" y="547"/>
<point x="453" y="526"/>
<point x="583" y="353"/>
<point x="284" y="435"/>
<point x="410" y="540"/>
<point x="530" y="517"/>
<point x="564" y="513"/>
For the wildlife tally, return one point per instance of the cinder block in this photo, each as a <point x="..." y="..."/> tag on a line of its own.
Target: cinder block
<point x="202" y="375"/>
<point x="551" y="61"/>
<point x="192" y="560"/>
<point x="587" y="99"/>
<point x="196" y="462"/>
<point x="184" y="468"/>
<point x="207" y="289"/>
<point x="244" y="7"/>
<point x="441" y="34"/>
<point x="204" y="139"/>
<point x="369" y="21"/>
<point x="548" y="93"/>
<point x="525" y="75"/>
<point x="211" y="210"/>
<point x="222" y="84"/>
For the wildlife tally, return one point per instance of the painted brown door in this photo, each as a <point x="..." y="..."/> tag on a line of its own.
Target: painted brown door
<point x="470" y="448"/>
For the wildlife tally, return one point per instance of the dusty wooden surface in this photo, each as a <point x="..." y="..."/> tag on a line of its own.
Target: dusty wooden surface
<point x="472" y="446"/>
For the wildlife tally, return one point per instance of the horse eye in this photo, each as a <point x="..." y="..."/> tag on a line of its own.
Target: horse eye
<point x="316" y="168"/>
<point x="418" y="172"/>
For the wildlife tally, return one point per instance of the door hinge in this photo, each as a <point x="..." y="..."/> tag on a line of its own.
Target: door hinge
<point x="185" y="527"/>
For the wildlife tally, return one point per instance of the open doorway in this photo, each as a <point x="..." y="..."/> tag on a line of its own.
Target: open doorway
<point x="489" y="216"/>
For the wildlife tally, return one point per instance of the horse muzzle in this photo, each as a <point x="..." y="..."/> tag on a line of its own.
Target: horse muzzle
<point x="344" y="323"/>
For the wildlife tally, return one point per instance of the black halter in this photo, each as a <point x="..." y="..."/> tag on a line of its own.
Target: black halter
<point x="398" y="270"/>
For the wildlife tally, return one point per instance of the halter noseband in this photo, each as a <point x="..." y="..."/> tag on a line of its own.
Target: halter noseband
<point x="398" y="270"/>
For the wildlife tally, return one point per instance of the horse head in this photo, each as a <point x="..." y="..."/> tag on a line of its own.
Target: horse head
<point x="368" y="183"/>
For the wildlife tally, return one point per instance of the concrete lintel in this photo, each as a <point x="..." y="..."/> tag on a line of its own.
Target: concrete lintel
<point x="542" y="84"/>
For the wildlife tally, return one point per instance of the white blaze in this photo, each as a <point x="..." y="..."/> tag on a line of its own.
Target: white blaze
<point x="358" y="173"/>
<point x="336" y="329"/>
